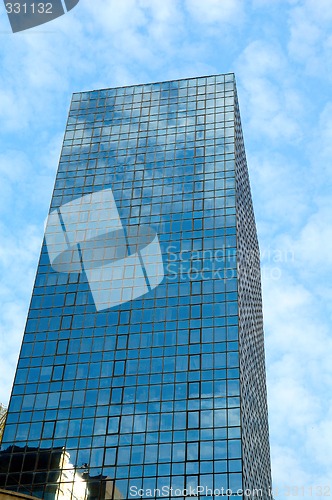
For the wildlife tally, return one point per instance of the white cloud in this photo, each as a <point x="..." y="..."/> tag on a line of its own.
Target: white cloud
<point x="13" y="110"/>
<point x="138" y="33"/>
<point x="274" y="3"/>
<point x="320" y="439"/>
<point x="268" y="92"/>
<point x="310" y="37"/>
<point x="214" y="11"/>
<point x="314" y="245"/>
<point x="299" y="376"/>
<point x="279" y="193"/>
<point x="319" y="151"/>
<point x="117" y="16"/>
<point x="287" y="471"/>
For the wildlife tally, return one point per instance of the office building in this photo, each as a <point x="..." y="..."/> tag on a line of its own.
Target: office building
<point x="142" y="365"/>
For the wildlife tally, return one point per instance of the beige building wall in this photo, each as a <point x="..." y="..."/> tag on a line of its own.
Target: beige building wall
<point x="11" y="495"/>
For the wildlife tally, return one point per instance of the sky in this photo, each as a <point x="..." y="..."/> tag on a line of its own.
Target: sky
<point x="281" y="53"/>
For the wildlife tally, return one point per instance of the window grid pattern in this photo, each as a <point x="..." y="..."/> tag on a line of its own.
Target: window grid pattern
<point x="146" y="394"/>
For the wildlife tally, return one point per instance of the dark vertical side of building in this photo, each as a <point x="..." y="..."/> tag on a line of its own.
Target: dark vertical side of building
<point x="254" y="412"/>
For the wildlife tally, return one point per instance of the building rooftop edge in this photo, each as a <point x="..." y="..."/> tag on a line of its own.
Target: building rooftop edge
<point x="154" y="83"/>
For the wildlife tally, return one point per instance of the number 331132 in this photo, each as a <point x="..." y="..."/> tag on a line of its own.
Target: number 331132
<point x="26" y="8"/>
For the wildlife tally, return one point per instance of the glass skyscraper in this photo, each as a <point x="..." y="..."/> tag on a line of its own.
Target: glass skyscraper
<point x="142" y="369"/>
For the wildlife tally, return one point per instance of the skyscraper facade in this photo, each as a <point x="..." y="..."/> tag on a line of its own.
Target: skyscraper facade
<point x="142" y="368"/>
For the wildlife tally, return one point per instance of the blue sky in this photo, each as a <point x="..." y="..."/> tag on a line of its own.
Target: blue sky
<point x="281" y="53"/>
